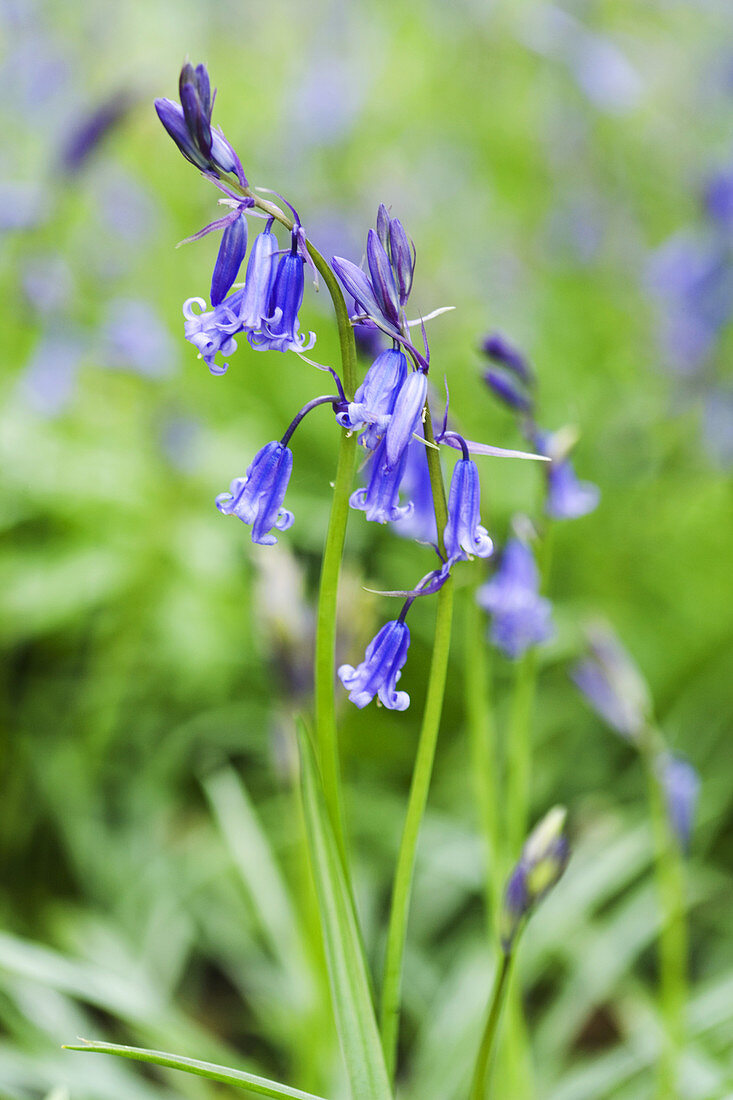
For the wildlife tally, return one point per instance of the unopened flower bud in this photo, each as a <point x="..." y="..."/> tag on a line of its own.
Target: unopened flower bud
<point x="544" y="858"/>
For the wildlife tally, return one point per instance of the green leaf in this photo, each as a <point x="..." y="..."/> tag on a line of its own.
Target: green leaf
<point x="228" y="1076"/>
<point x="347" y="969"/>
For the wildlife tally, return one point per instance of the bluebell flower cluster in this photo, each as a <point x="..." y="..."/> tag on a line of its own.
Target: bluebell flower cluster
<point x="512" y="381"/>
<point x="387" y="410"/>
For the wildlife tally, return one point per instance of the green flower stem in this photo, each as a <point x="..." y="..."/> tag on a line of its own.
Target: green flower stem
<point x="325" y="648"/>
<point x="325" y="658"/>
<point x="483" y="750"/>
<point x="402" y="887"/>
<point x="480" y="1081"/>
<point x="673" y="947"/>
<point x="518" y="755"/>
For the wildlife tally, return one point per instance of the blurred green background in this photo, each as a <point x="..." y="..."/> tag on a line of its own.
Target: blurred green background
<point x="543" y="158"/>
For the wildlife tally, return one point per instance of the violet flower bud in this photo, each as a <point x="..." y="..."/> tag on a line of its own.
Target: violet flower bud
<point x="543" y="860"/>
<point x="382" y="279"/>
<point x="229" y="259"/>
<point x="403" y="259"/>
<point x="498" y="348"/>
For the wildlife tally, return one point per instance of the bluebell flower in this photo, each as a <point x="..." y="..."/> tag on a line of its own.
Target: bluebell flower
<point x="229" y="259"/>
<point x="407" y="415"/>
<point x="506" y="355"/>
<point x="464" y="536"/>
<point x="257" y="498"/>
<point x="543" y="860"/>
<point x="374" y="400"/>
<point x="258" y="281"/>
<point x="280" y="330"/>
<point x="419" y="522"/>
<point x="681" y="785"/>
<point x="212" y="331"/>
<point x="613" y="685"/>
<point x="380" y="670"/>
<point x="358" y="285"/>
<point x="380" y="499"/>
<point x="520" y="617"/>
<point x="567" y="497"/>
<point x="189" y="124"/>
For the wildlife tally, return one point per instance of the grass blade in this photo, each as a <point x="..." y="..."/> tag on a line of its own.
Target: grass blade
<point x="227" y="1076"/>
<point x="352" y="1002"/>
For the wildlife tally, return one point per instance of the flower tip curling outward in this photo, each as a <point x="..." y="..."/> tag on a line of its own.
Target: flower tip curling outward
<point x="464" y="536"/>
<point x="380" y="670"/>
<point x="542" y="862"/>
<point x="257" y="497"/>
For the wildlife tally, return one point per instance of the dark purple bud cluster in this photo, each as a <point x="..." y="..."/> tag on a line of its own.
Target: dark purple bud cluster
<point x="512" y="381"/>
<point x="189" y="124"/>
<point x="382" y="294"/>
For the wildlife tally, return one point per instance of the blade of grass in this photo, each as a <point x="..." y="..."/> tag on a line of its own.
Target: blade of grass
<point x="248" y="1081"/>
<point x="347" y="969"/>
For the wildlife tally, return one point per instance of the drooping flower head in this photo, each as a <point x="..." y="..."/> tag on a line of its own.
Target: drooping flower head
<point x="406" y="417"/>
<point x="419" y="522"/>
<point x="464" y="536"/>
<point x="281" y="328"/>
<point x="257" y="498"/>
<point x="543" y="860"/>
<point x="380" y="670"/>
<point x="374" y="400"/>
<point x="381" y="498"/>
<point x="520" y="617"/>
<point x="258" y="281"/>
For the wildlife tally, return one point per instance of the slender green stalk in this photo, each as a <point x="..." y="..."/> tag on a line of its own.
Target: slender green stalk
<point x="325" y="658"/>
<point x="402" y="887"/>
<point x="488" y="1039"/>
<point x="673" y="947"/>
<point x="519" y="753"/>
<point x="325" y="648"/>
<point x="483" y="750"/>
